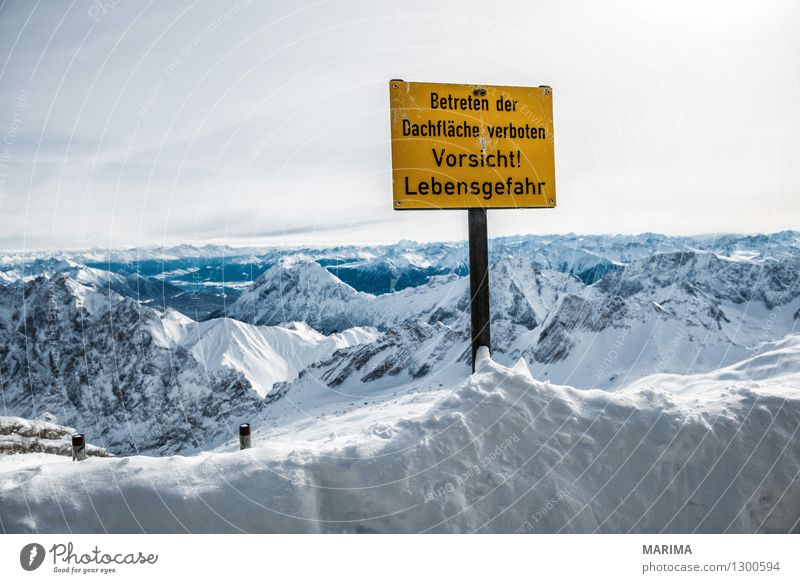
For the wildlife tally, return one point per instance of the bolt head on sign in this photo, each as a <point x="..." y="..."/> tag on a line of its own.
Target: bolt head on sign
<point x="471" y="146"/>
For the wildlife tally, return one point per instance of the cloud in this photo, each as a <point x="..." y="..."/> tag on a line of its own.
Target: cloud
<point x="283" y="108"/>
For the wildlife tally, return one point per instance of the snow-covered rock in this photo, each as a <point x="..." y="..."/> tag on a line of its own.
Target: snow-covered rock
<point x="22" y="436"/>
<point x="304" y="290"/>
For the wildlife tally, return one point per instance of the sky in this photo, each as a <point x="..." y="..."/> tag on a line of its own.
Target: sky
<point x="133" y="123"/>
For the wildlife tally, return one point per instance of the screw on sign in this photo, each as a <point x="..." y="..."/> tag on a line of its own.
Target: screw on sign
<point x="473" y="147"/>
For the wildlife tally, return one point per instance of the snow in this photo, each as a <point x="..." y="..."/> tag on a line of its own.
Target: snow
<point x="266" y="354"/>
<point x="663" y="395"/>
<point x="500" y="452"/>
<point x="302" y="289"/>
<point x="87" y="298"/>
<point x="777" y="363"/>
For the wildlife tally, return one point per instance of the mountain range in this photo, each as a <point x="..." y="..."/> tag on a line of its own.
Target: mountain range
<point x="109" y="351"/>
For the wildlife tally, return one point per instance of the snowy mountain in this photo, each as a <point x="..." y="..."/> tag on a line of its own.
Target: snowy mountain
<point x="336" y="376"/>
<point x="500" y="452"/>
<point x="197" y="301"/>
<point x="264" y="355"/>
<point x="215" y="274"/>
<point x="673" y="312"/>
<point x="137" y="379"/>
<point x="669" y="313"/>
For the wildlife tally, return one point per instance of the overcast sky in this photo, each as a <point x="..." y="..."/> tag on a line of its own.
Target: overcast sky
<point x="139" y="123"/>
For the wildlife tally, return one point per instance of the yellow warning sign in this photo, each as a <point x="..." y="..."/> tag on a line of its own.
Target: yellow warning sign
<point x="471" y="146"/>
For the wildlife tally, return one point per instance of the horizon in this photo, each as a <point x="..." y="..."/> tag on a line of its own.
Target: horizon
<point x="299" y="247"/>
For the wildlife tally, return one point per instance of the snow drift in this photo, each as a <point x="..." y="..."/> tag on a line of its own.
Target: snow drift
<point x="502" y="452"/>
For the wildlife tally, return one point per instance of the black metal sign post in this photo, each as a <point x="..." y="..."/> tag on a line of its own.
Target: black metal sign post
<point x="479" y="281"/>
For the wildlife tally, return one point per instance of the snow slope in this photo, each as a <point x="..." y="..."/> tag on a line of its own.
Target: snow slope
<point x="775" y="362"/>
<point x="501" y="452"/>
<point x="141" y="380"/>
<point x="266" y="355"/>
<point x="679" y="311"/>
<point x="298" y="289"/>
<point x="138" y="380"/>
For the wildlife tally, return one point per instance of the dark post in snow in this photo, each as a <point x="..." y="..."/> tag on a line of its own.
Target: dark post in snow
<point x="78" y="447"/>
<point x="244" y="436"/>
<point x="479" y="281"/>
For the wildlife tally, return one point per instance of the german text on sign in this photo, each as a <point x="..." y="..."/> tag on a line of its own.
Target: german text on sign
<point x="470" y="146"/>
